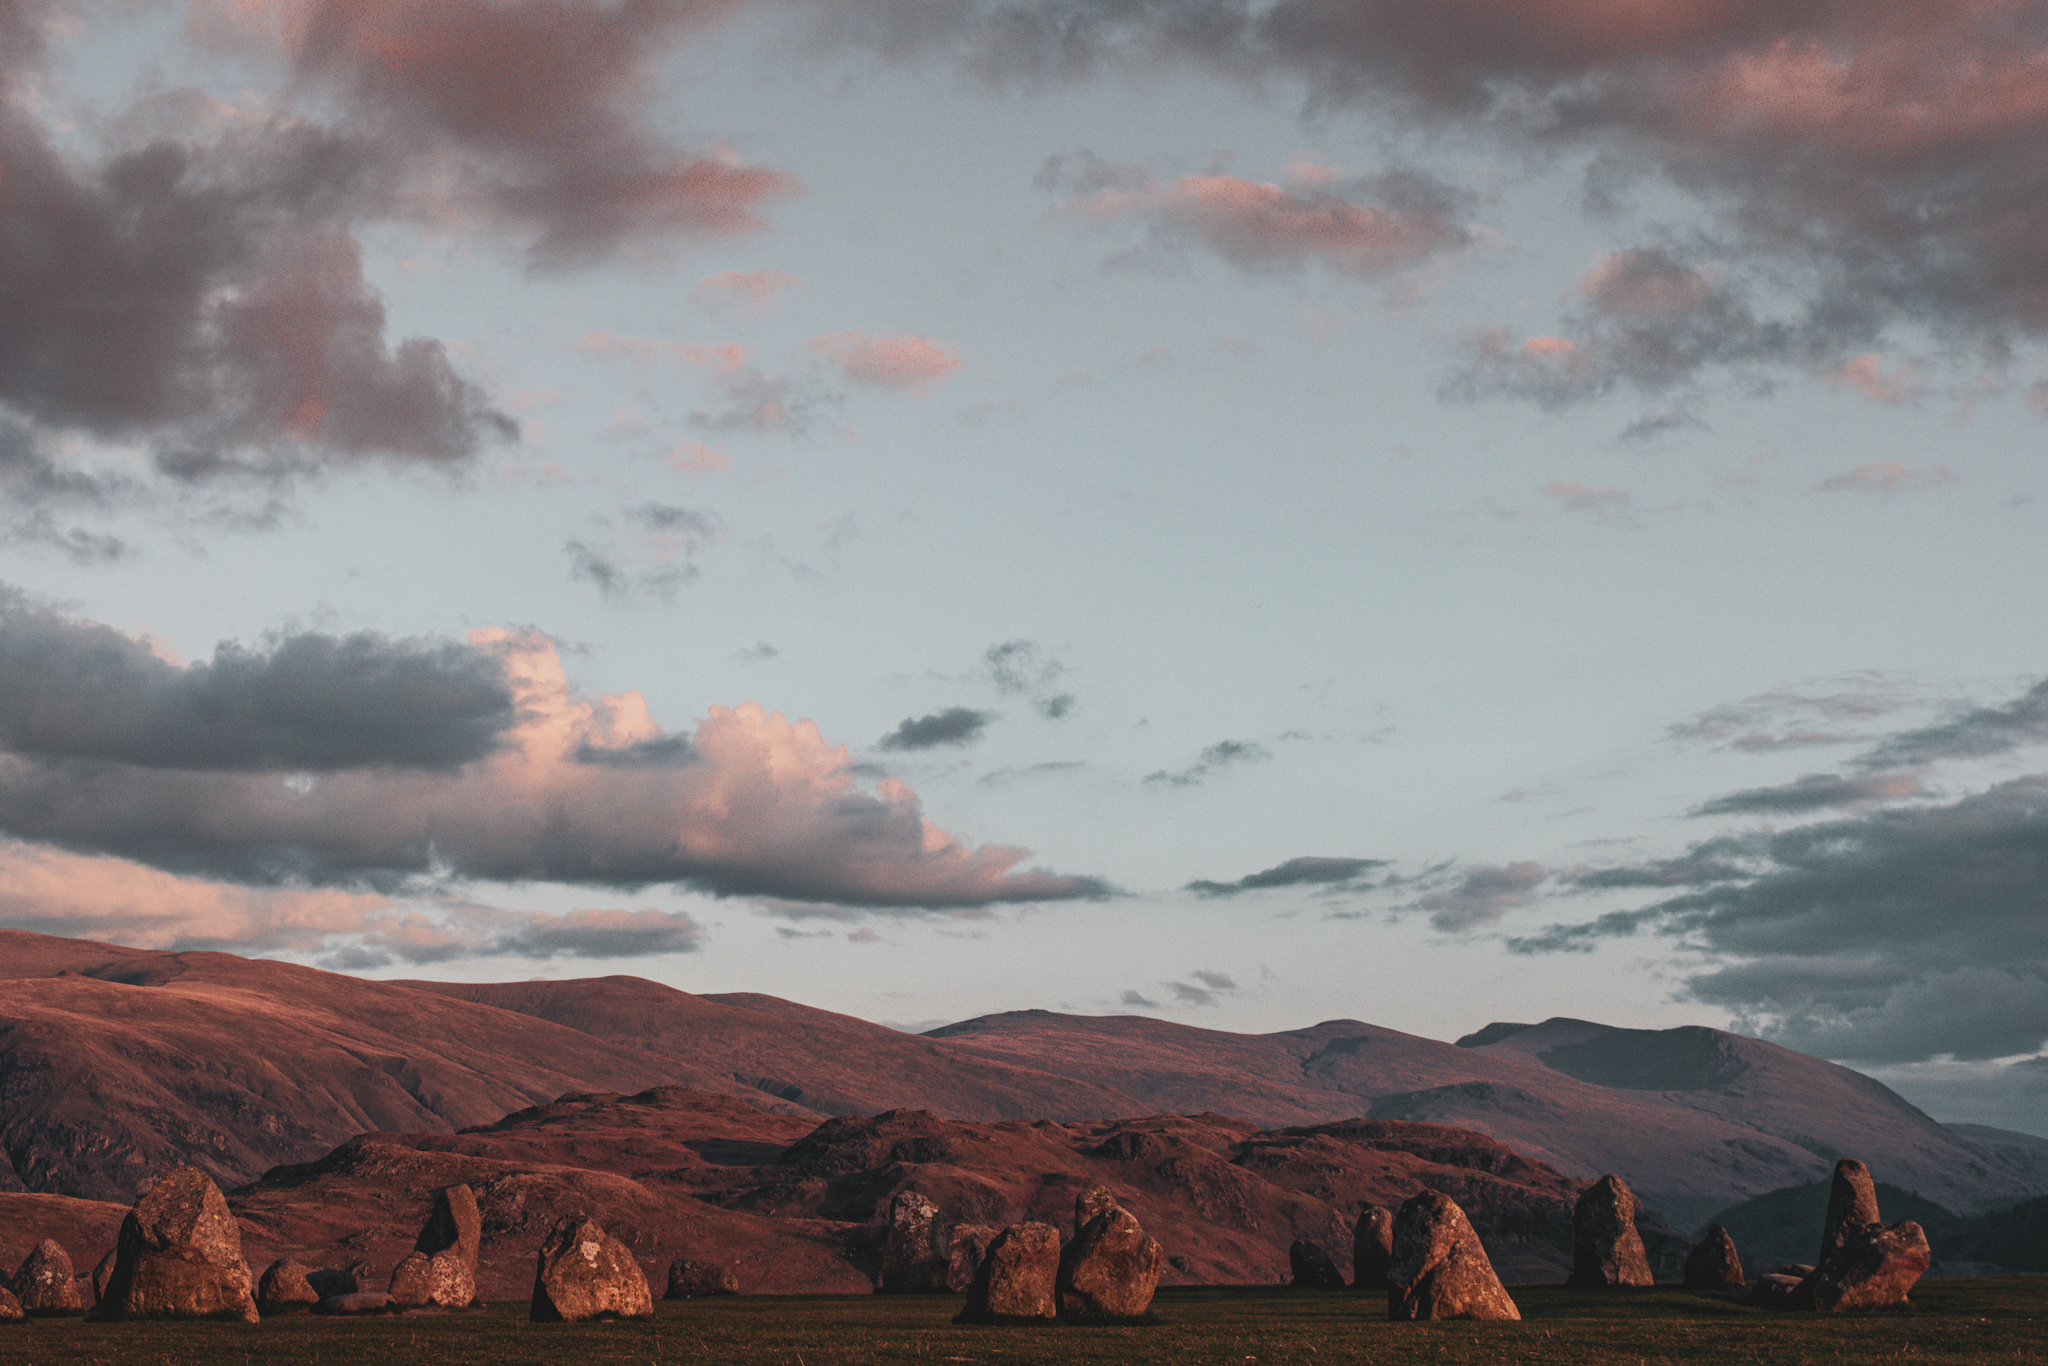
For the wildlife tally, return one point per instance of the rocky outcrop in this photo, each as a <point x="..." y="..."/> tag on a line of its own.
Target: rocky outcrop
<point x="1713" y="1264"/>
<point x="1111" y="1269"/>
<point x="1873" y="1266"/>
<point x="1018" y="1277"/>
<point x="1852" y="1199"/>
<point x="1606" y="1248"/>
<point x="442" y="1267"/>
<point x="916" y="1248"/>
<point x="585" y="1273"/>
<point x="1372" y="1248"/>
<point x="284" y="1288"/>
<point x="689" y="1279"/>
<point x="1095" y="1198"/>
<point x="1440" y="1271"/>
<point x="1312" y="1266"/>
<point x="46" y="1284"/>
<point x="180" y="1255"/>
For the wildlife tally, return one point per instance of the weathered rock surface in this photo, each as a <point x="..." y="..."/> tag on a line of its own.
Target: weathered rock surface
<point x="1440" y="1271"/>
<point x="453" y="1226"/>
<point x="1606" y="1248"/>
<point x="965" y="1248"/>
<point x="1873" y="1266"/>
<point x="1111" y="1269"/>
<point x="1775" y="1289"/>
<point x="46" y="1283"/>
<point x="1018" y="1277"/>
<point x="103" y="1275"/>
<point x="10" y="1307"/>
<point x="180" y="1254"/>
<point x="442" y="1279"/>
<point x="1713" y="1263"/>
<point x="690" y="1279"/>
<point x="585" y="1273"/>
<point x="1372" y="1248"/>
<point x="1311" y="1265"/>
<point x="917" y="1248"/>
<point x="1095" y="1198"/>
<point x="1852" y="1199"/>
<point x="330" y="1282"/>
<point x="284" y="1287"/>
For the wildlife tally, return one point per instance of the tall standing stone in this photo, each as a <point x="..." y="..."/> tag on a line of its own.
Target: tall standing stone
<point x="1095" y="1198"/>
<point x="1440" y="1270"/>
<point x="585" y="1273"/>
<point x="1713" y="1264"/>
<point x="917" y="1249"/>
<point x="1310" y="1265"/>
<point x="1852" y="1199"/>
<point x="1606" y="1249"/>
<point x="180" y="1254"/>
<point x="1111" y="1269"/>
<point x="1372" y="1248"/>
<point x="1018" y="1277"/>
<point x="46" y="1283"/>
<point x="442" y="1266"/>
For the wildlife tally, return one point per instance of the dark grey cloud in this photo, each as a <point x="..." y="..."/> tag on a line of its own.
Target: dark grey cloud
<point x="1306" y="871"/>
<point x="76" y="690"/>
<point x="1137" y="1000"/>
<point x="1814" y="792"/>
<point x="1483" y="895"/>
<point x="1891" y="936"/>
<point x="1221" y="755"/>
<point x="1976" y="733"/>
<point x="953" y="726"/>
<point x="1026" y="668"/>
<point x="601" y="934"/>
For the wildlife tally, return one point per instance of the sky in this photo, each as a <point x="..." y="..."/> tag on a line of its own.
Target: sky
<point x="1243" y="511"/>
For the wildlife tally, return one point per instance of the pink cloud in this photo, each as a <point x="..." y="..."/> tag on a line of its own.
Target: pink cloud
<point x="720" y="358"/>
<point x="694" y="457"/>
<point x="1887" y="477"/>
<point x="1866" y="375"/>
<point x="903" y="361"/>
<point x="753" y="291"/>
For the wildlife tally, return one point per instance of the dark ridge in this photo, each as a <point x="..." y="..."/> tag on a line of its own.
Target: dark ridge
<point x="1493" y="1033"/>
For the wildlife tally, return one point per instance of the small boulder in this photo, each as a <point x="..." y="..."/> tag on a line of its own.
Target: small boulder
<point x="1095" y="1198"/>
<point x="585" y="1273"/>
<point x="691" y="1280"/>
<point x="1313" y="1266"/>
<point x="1111" y="1268"/>
<point x="180" y="1255"/>
<point x="284" y="1288"/>
<point x="1852" y="1199"/>
<point x="10" y="1307"/>
<point x="46" y="1284"/>
<point x="1606" y="1249"/>
<point x="1440" y="1270"/>
<point x="1775" y="1290"/>
<point x="1372" y="1248"/>
<point x="328" y="1282"/>
<point x="442" y="1279"/>
<point x="357" y="1302"/>
<point x="1713" y="1264"/>
<point x="1873" y="1266"/>
<point x="1018" y="1277"/>
<point x="916" y="1249"/>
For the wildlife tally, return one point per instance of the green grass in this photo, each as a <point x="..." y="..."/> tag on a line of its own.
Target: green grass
<point x="1991" y="1320"/>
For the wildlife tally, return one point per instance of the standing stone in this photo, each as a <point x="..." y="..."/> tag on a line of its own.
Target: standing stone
<point x="180" y="1254"/>
<point x="1606" y="1249"/>
<point x="1852" y="1199"/>
<point x="1095" y="1198"/>
<point x="331" y="1283"/>
<point x="442" y="1266"/>
<point x="1873" y="1267"/>
<point x="916" y="1251"/>
<point x="46" y="1284"/>
<point x="102" y="1274"/>
<point x="964" y="1251"/>
<point x="1018" y="1277"/>
<point x="1372" y="1248"/>
<point x="284" y="1287"/>
<point x="690" y="1280"/>
<point x="1313" y="1266"/>
<point x="10" y="1307"/>
<point x="1440" y="1270"/>
<point x="585" y="1273"/>
<point x="1110" y="1269"/>
<point x="454" y="1225"/>
<point x="1712" y="1263"/>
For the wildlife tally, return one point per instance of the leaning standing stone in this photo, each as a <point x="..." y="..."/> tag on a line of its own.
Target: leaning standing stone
<point x="1372" y="1248"/>
<point x="916" y="1251"/>
<point x="1606" y="1249"/>
<point x="180" y="1254"/>
<point x="46" y="1284"/>
<point x="1110" y="1269"/>
<point x="284" y="1287"/>
<point x="689" y="1280"/>
<point x="442" y="1267"/>
<point x="1873" y="1267"/>
<point x="1712" y="1264"/>
<point x="1440" y="1269"/>
<point x="1018" y="1277"/>
<point x="1852" y="1199"/>
<point x="102" y="1276"/>
<point x="1095" y="1198"/>
<point x="585" y="1273"/>
<point x="1313" y="1266"/>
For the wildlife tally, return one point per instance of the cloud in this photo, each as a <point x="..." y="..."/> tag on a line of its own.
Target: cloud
<point x="1574" y="496"/>
<point x="1364" y="227"/>
<point x="751" y="291"/>
<point x="903" y="362"/>
<point x="1887" y="477"/>
<point x="1306" y="871"/>
<point x="1137" y="1000"/>
<point x="1814" y="792"/>
<point x="1025" y="668"/>
<point x="1865" y="375"/>
<point x="1975" y="733"/>
<point x="750" y="803"/>
<point x="1205" y="990"/>
<point x="1891" y="936"/>
<point x="1222" y="754"/>
<point x="1788" y="720"/>
<point x="1483" y="896"/>
<point x="602" y="934"/>
<point x="953" y="726"/>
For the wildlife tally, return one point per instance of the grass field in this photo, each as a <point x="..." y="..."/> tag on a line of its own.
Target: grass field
<point x="1990" y="1320"/>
